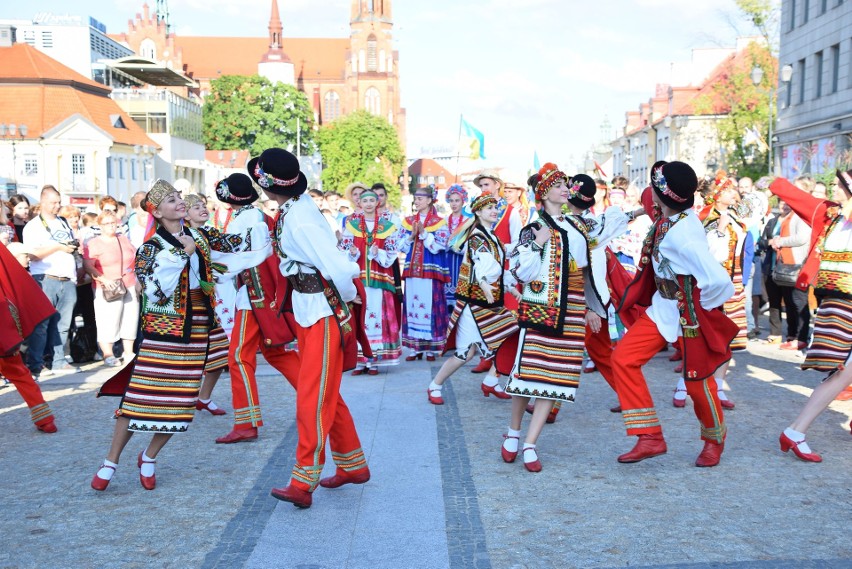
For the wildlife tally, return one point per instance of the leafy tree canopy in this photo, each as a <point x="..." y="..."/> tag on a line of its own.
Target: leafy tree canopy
<point x="251" y="113"/>
<point x="361" y="147"/>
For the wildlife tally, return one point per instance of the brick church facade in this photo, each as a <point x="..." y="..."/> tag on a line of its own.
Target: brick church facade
<point x="338" y="75"/>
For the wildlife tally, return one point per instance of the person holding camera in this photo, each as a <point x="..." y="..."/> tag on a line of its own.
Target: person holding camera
<point x="109" y="259"/>
<point x="52" y="247"/>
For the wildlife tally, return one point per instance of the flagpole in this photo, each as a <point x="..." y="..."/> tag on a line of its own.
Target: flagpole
<point x="458" y="141"/>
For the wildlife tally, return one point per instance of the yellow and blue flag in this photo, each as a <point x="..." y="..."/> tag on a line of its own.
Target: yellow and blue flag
<point x="477" y="140"/>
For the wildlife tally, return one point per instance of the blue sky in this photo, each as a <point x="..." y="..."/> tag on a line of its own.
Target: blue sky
<point x="532" y="75"/>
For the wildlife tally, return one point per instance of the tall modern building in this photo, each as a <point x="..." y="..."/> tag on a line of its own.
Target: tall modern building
<point x="814" y="121"/>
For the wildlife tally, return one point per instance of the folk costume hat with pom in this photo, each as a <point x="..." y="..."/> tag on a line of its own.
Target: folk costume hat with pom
<point x="548" y="176"/>
<point x="277" y="172"/>
<point x="675" y="184"/>
<point x="237" y="189"/>
<point x="483" y="201"/>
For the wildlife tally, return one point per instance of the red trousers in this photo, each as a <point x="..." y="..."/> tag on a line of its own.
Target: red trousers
<point x="640" y="344"/>
<point x="13" y="369"/>
<point x="599" y="348"/>
<point x="242" y="365"/>
<point x="320" y="410"/>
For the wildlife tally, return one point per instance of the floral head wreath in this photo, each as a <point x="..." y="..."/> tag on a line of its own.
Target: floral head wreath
<point x="158" y="192"/>
<point x="662" y="186"/>
<point x="721" y="183"/>
<point x="483" y="201"/>
<point x="456" y="189"/>
<point x="267" y="180"/>
<point x="548" y="175"/>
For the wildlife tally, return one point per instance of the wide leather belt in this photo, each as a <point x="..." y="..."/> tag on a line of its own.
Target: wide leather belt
<point x="668" y="288"/>
<point x="306" y="283"/>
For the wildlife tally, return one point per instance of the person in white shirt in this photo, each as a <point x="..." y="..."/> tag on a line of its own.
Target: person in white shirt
<point x="321" y="277"/>
<point x="52" y="246"/>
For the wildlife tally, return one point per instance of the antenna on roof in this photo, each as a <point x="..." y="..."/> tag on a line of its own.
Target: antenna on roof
<point x="162" y="13"/>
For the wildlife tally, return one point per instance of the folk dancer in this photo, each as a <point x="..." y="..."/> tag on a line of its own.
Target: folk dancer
<point x="258" y="321"/>
<point x="321" y="280"/>
<point x="828" y="267"/>
<point x="726" y="234"/>
<point x="423" y="238"/>
<point x="160" y="387"/>
<point x="552" y="260"/>
<point x="22" y="307"/>
<point x="369" y="240"/>
<point x="479" y="322"/>
<point x="456" y="197"/>
<point x="676" y="291"/>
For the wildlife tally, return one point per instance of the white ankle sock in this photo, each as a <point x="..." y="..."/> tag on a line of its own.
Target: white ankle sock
<point x="149" y="465"/>
<point x="435" y="387"/>
<point x="799" y="438"/>
<point x="511" y="441"/>
<point x="680" y="390"/>
<point x="722" y="396"/>
<point x="210" y="405"/>
<point x="106" y="473"/>
<point x="491" y="381"/>
<point x="532" y="456"/>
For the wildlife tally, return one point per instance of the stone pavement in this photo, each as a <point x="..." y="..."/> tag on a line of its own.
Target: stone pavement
<point x="440" y="495"/>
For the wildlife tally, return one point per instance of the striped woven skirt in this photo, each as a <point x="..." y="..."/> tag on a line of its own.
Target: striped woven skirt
<point x="454" y="262"/>
<point x="217" y="352"/>
<point x="424" y="315"/>
<point x="164" y="387"/>
<point x="548" y="366"/>
<point x="735" y="310"/>
<point x="485" y="328"/>
<point x="831" y="346"/>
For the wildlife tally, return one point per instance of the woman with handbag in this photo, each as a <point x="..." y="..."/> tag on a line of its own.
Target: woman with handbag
<point x="109" y="259"/>
<point x="790" y="248"/>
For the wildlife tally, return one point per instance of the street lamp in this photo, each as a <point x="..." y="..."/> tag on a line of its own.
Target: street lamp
<point x="9" y="131"/>
<point x="756" y="78"/>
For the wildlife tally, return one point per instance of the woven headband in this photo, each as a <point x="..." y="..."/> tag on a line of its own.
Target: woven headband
<point x="663" y="187"/>
<point x="482" y="202"/>
<point x="266" y="180"/>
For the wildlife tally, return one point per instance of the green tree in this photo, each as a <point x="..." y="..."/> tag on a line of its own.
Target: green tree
<point x="361" y="147"/>
<point x="251" y="113"/>
<point x="742" y="106"/>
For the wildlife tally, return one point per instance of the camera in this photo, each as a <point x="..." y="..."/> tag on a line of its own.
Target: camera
<point x="73" y="243"/>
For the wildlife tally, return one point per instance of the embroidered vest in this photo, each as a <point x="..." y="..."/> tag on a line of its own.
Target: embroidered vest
<point x="467" y="288"/>
<point x="166" y="319"/>
<point x="372" y="273"/>
<point x="834" y="278"/>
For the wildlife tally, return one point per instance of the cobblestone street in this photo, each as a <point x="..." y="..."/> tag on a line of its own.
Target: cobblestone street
<point x="440" y="495"/>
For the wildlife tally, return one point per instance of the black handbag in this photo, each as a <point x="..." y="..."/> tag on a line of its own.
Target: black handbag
<point x="82" y="348"/>
<point x="786" y="274"/>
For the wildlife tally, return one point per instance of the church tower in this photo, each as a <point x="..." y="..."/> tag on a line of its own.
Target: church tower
<point x="372" y="75"/>
<point x="276" y="65"/>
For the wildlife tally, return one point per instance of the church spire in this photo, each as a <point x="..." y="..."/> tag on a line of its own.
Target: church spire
<point x="275" y="27"/>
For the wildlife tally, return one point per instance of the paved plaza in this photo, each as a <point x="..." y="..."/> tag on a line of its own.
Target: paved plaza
<point x="440" y="495"/>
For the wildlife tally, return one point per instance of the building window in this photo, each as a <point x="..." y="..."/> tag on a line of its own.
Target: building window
<point x="109" y="167"/>
<point x="373" y="101"/>
<point x="30" y="165"/>
<point x="132" y="168"/>
<point x="148" y="49"/>
<point x="120" y="168"/>
<point x="823" y="7"/>
<point x="802" y="83"/>
<point x="331" y="106"/>
<point x="835" y="67"/>
<point x="806" y="8"/>
<point x="818" y="79"/>
<point x="371" y="53"/>
<point x="793" y="14"/>
<point x="78" y="163"/>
